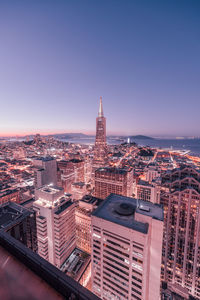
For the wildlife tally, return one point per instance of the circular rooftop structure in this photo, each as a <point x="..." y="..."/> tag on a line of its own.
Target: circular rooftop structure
<point x="124" y="209"/>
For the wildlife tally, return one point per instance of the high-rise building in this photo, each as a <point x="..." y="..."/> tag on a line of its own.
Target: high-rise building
<point x="181" y="240"/>
<point x="20" y="223"/>
<point x="113" y="180"/>
<point x="55" y="219"/>
<point x="83" y="213"/>
<point x="45" y="171"/>
<point x="69" y="172"/>
<point x="100" y="148"/>
<point x="127" y="249"/>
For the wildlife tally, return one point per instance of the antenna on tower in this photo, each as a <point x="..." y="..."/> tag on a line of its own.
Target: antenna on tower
<point x="100" y="114"/>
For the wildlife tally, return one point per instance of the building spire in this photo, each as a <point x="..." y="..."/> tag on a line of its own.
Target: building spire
<point x="100" y="108"/>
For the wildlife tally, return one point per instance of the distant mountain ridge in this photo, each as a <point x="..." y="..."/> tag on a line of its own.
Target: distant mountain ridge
<point x="141" y="137"/>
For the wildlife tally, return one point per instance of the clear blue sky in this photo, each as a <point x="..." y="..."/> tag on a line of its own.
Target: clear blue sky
<point x="58" y="57"/>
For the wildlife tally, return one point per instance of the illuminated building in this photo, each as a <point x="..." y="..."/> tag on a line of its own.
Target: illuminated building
<point x="69" y="172"/>
<point x="78" y="190"/>
<point x="100" y="147"/>
<point x="181" y="241"/>
<point x="151" y="172"/>
<point x="83" y="221"/>
<point x="127" y="249"/>
<point x="87" y="169"/>
<point x="45" y="171"/>
<point x="20" y="223"/>
<point x="113" y="180"/>
<point x="146" y="191"/>
<point x="55" y="219"/>
<point x="78" y="266"/>
<point x="7" y="195"/>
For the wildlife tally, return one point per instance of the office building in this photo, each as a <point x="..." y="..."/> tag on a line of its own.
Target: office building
<point x="127" y="249"/>
<point x="55" y="219"/>
<point x="181" y="241"/>
<point x="83" y="213"/>
<point x="45" y="171"/>
<point x="152" y="171"/>
<point x="69" y="172"/>
<point x="113" y="180"/>
<point x="146" y="191"/>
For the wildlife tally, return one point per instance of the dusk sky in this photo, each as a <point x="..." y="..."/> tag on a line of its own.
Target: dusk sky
<point x="58" y="57"/>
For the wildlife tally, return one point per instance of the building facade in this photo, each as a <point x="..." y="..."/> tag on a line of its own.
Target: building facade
<point x="83" y="213"/>
<point x="69" y="172"/>
<point x="113" y="180"/>
<point x="181" y="241"/>
<point x="127" y="249"/>
<point x="146" y="191"/>
<point x="55" y="219"/>
<point x="45" y="171"/>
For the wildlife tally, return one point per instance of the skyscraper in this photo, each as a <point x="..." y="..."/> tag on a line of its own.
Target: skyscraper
<point x="100" y="148"/>
<point x="127" y="249"/>
<point x="181" y="241"/>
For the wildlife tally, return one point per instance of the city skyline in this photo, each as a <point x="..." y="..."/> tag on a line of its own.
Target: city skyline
<point x="57" y="59"/>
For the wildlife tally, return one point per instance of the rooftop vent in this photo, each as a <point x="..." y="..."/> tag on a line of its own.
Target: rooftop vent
<point x="124" y="209"/>
<point x="144" y="208"/>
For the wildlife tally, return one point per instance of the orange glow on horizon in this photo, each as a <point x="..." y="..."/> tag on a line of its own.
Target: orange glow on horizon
<point x="42" y="132"/>
<point x="22" y="133"/>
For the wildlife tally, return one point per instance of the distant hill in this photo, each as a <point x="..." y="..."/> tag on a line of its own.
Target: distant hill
<point x="141" y="137"/>
<point x="70" y="135"/>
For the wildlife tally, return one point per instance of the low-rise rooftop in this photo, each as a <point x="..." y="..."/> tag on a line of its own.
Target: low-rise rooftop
<point x="11" y="213"/>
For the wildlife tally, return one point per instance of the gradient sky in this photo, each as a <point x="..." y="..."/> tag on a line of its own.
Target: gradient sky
<point x="58" y="57"/>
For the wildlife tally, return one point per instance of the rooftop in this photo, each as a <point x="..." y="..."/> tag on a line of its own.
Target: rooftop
<point x="63" y="207"/>
<point x="112" y="170"/>
<point x="7" y="192"/>
<point x="76" y="263"/>
<point x="19" y="282"/>
<point x="11" y="213"/>
<point x="120" y="210"/>
<point x="145" y="183"/>
<point x="26" y="275"/>
<point x="91" y="200"/>
<point x="50" y="189"/>
<point x="45" y="158"/>
<point x="80" y="184"/>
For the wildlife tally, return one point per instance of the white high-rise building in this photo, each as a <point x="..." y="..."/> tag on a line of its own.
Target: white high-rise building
<point x="45" y="171"/>
<point x="126" y="249"/>
<point x="55" y="220"/>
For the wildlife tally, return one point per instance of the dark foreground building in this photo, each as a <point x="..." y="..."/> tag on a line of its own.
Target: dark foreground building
<point x="20" y="223"/>
<point x="25" y="275"/>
